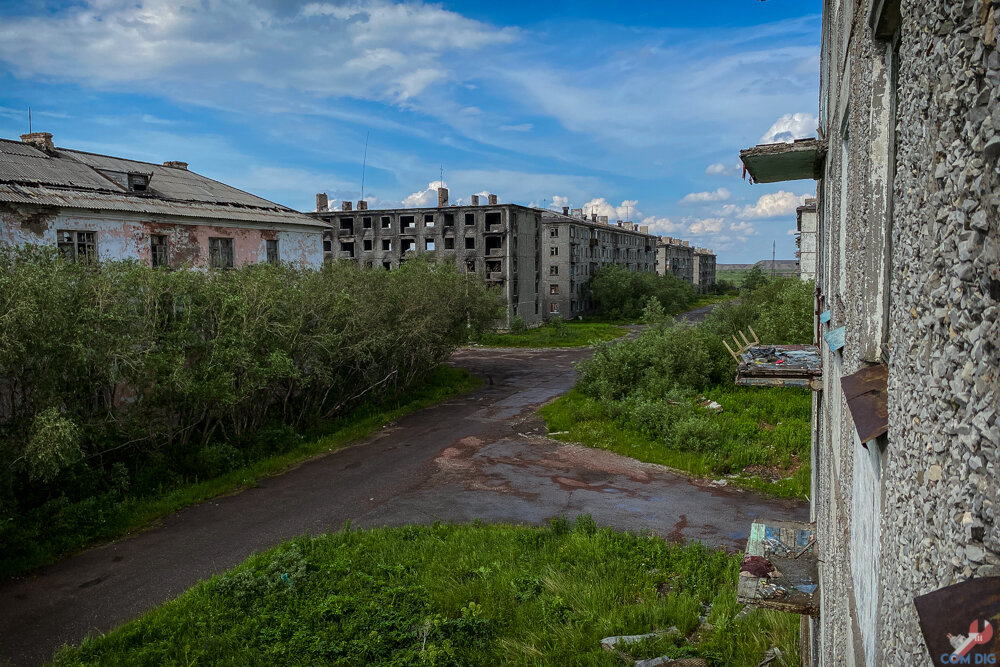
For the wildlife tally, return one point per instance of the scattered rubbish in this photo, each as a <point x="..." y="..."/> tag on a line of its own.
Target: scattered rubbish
<point x="743" y="612"/>
<point x="711" y="405"/>
<point x="667" y="661"/>
<point x="558" y="432"/>
<point x="719" y="482"/>
<point x="758" y="566"/>
<point x="806" y="588"/>
<point x="771" y="655"/>
<point x="812" y="541"/>
<point x="611" y="643"/>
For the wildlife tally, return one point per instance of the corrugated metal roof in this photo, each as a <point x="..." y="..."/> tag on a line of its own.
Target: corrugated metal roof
<point x="109" y="201"/>
<point x="86" y="180"/>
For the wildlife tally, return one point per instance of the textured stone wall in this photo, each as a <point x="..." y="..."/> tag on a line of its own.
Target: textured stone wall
<point x="909" y="262"/>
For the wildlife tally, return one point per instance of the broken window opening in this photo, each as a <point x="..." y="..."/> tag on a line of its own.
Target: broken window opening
<point x="554" y="232"/>
<point x="387" y="266"/>
<point x="470" y="219"/>
<point x="553" y="251"/>
<point x="493" y="220"/>
<point x="347" y="225"/>
<point x="449" y="243"/>
<point x="553" y="289"/>
<point x="406" y="245"/>
<point x="449" y="219"/>
<point x="494" y="245"/>
<point x="366" y="223"/>
<point x="554" y="307"/>
<point x="428" y="244"/>
<point x="272" y="255"/>
<point x="470" y="242"/>
<point x="553" y="270"/>
<point x="386" y="222"/>
<point x="347" y="247"/>
<point x="158" y="250"/>
<point x="494" y="266"/>
<point x="138" y="182"/>
<point x="428" y="220"/>
<point x="386" y="244"/>
<point x="327" y="245"/>
<point x="470" y="266"/>
<point x="221" y="253"/>
<point x="77" y="246"/>
<point x="406" y="222"/>
<point x="367" y="245"/>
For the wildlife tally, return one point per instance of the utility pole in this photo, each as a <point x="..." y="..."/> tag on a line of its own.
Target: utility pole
<point x="774" y="245"/>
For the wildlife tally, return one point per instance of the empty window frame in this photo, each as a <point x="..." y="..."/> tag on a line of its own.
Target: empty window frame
<point x="553" y="232"/>
<point x="553" y="289"/>
<point x="553" y="306"/>
<point x="366" y="223"/>
<point x="470" y="219"/>
<point x="347" y="225"/>
<point x="470" y="266"/>
<point x="221" y="253"/>
<point x="386" y="222"/>
<point x="407" y="222"/>
<point x="386" y="244"/>
<point x="273" y="255"/>
<point x="387" y="266"/>
<point x="327" y="245"/>
<point x="470" y="242"/>
<point x="493" y="220"/>
<point x="138" y="182"/>
<point x="77" y="246"/>
<point x="406" y="245"/>
<point x="428" y="219"/>
<point x="553" y="270"/>
<point x="553" y="251"/>
<point x="347" y="247"/>
<point x="449" y="243"/>
<point x="449" y="219"/>
<point x="159" y="253"/>
<point x="367" y="246"/>
<point x="429" y="244"/>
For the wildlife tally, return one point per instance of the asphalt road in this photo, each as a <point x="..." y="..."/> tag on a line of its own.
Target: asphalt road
<point x="482" y="456"/>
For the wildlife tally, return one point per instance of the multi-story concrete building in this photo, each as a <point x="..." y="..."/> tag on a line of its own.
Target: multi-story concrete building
<point x="103" y="207"/>
<point x="574" y="247"/>
<point x="675" y="257"/>
<point x="805" y="239"/>
<point x="539" y="258"/>
<point x="906" y="421"/>
<point x="703" y="270"/>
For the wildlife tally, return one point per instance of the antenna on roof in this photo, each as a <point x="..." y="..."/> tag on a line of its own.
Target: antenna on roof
<point x="442" y="176"/>
<point x="29" y="120"/>
<point x="364" y="166"/>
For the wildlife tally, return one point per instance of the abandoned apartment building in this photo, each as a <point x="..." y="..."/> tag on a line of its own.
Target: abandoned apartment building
<point x="906" y="437"/>
<point x="680" y="259"/>
<point x="101" y="207"/>
<point x="540" y="259"/>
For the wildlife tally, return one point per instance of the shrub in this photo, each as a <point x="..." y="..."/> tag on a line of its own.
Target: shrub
<point x="619" y="294"/>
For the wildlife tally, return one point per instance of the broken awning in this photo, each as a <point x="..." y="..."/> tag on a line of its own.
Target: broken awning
<point x="773" y="163"/>
<point x="867" y="399"/>
<point x="780" y="569"/>
<point x="780" y="366"/>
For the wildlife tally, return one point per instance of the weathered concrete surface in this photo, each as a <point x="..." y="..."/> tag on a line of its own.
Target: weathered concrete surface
<point x="481" y="456"/>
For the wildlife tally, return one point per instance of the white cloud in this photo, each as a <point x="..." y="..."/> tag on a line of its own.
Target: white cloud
<point x="625" y="211"/>
<point x="722" y="194"/>
<point x="663" y="225"/>
<point x="790" y="127"/>
<point x="717" y="168"/>
<point x="558" y="202"/>
<point x="769" y="206"/>
<point x="423" y="198"/>
<point x="704" y="226"/>
<point x="743" y="227"/>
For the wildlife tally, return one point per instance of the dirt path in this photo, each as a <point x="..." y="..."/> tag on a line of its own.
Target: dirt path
<point x="483" y="456"/>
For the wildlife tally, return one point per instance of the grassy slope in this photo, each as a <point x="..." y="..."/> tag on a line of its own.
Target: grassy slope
<point x="577" y="334"/>
<point x="764" y="428"/>
<point x="455" y="595"/>
<point x="137" y="513"/>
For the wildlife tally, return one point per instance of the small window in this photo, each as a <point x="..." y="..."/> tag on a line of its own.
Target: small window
<point x="387" y="266"/>
<point x="77" y="246"/>
<point x="158" y="253"/>
<point x="449" y="219"/>
<point x="553" y="251"/>
<point x="428" y="244"/>
<point x="347" y="225"/>
<point x="470" y="242"/>
<point x="406" y="245"/>
<point x="470" y="219"/>
<point x="553" y="307"/>
<point x="470" y="266"/>
<point x="327" y="245"/>
<point x="407" y="222"/>
<point x="553" y="270"/>
<point x="493" y="219"/>
<point x="449" y="243"/>
<point x="221" y="253"/>
<point x="273" y="256"/>
<point x="386" y="244"/>
<point x="366" y="223"/>
<point x="386" y="222"/>
<point x="367" y="244"/>
<point x="347" y="247"/>
<point x="428" y="220"/>
<point x="554" y="232"/>
<point x="553" y="289"/>
<point x="138" y="182"/>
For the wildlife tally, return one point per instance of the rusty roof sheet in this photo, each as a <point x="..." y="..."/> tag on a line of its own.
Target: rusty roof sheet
<point x="867" y="398"/>
<point x="78" y="179"/>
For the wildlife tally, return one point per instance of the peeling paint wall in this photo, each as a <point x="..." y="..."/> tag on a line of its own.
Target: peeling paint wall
<point x="121" y="237"/>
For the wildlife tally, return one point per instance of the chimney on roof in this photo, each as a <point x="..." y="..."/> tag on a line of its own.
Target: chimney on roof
<point x="493" y="200"/>
<point x="346" y="206"/>
<point x="362" y="205"/>
<point x="176" y="164"/>
<point x="565" y="210"/>
<point x="40" y="140"/>
<point x="442" y="197"/>
<point x="322" y="202"/>
<point x="603" y="219"/>
<point x="593" y="217"/>
<point x="644" y="229"/>
<point x="474" y="200"/>
<point x="578" y="213"/>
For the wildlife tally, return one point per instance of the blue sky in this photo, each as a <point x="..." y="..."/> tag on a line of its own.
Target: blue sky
<point x="638" y="110"/>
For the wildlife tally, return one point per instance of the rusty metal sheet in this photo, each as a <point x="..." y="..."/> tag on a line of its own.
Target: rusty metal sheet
<point x="959" y="622"/>
<point x="867" y="398"/>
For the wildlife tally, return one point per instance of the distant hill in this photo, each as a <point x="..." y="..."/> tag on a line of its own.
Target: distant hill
<point x="782" y="267"/>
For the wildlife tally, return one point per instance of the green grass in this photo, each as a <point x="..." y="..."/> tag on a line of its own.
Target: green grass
<point x="49" y="538"/>
<point x="455" y="595"/>
<point x="762" y="437"/>
<point x="569" y="334"/>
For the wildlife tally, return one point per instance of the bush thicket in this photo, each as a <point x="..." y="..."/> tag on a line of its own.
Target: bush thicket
<point x="115" y="376"/>
<point x="623" y="295"/>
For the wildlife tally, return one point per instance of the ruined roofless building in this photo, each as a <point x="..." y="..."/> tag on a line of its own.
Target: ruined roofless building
<point x="533" y="255"/>
<point x="704" y="270"/>
<point x="906" y="438"/>
<point x="675" y="257"/>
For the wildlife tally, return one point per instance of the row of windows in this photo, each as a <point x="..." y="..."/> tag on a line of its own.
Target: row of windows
<point x="347" y="223"/>
<point x="78" y="246"/>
